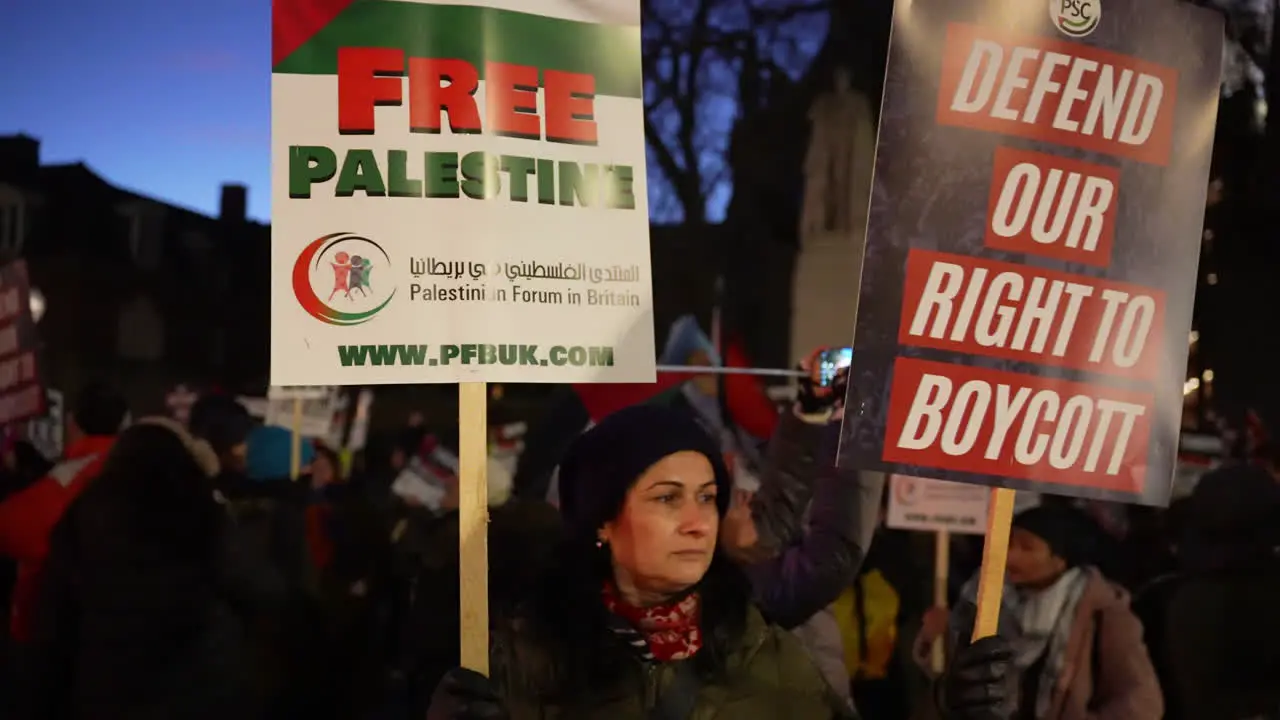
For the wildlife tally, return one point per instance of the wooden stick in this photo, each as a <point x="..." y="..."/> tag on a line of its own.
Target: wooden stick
<point x="473" y="519"/>
<point x="941" y="572"/>
<point x="295" y="441"/>
<point x="995" y="550"/>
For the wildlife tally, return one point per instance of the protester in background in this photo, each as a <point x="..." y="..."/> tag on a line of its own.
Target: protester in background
<point x="23" y="465"/>
<point x="875" y="612"/>
<point x="1217" y="617"/>
<point x="522" y="534"/>
<point x="1078" y="649"/>
<point x="804" y="534"/>
<point x="643" y="609"/>
<point x="224" y="423"/>
<point x="27" y="518"/>
<point x="148" y="594"/>
<point x="270" y="508"/>
<point x="348" y="543"/>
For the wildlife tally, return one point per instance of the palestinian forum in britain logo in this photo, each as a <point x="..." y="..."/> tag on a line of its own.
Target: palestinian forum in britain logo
<point x="343" y="279"/>
<point x="906" y="489"/>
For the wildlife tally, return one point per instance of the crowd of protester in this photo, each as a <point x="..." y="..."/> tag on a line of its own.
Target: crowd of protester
<point x="167" y="570"/>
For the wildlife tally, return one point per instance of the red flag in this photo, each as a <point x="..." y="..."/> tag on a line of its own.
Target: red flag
<point x="748" y="403"/>
<point x="601" y="399"/>
<point x="294" y="22"/>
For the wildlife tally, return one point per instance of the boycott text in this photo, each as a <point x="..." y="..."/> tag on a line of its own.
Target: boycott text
<point x="994" y="422"/>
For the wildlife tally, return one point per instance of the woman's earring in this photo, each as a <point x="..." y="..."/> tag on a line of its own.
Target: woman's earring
<point x="599" y="544"/>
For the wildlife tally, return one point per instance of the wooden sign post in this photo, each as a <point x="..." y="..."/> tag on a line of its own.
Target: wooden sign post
<point x="995" y="551"/>
<point x="941" y="576"/>
<point x="473" y="522"/>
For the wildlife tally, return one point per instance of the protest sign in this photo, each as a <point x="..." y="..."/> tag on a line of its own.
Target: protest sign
<point x="927" y="505"/>
<point x="47" y="433"/>
<point x="1033" y="243"/>
<point x="511" y="244"/>
<point x="315" y="416"/>
<point x="459" y="193"/>
<point x="936" y="505"/>
<point x="21" y="393"/>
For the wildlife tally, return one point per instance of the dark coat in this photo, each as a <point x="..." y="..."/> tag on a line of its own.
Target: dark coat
<point x="130" y="627"/>
<point x="521" y="536"/>
<point x="769" y="675"/>
<point x="815" y="520"/>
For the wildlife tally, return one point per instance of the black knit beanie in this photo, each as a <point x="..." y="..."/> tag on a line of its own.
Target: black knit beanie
<point x="1065" y="530"/>
<point x="605" y="461"/>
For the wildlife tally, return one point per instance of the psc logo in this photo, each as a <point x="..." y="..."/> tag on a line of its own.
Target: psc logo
<point x="1075" y="18"/>
<point x="333" y="279"/>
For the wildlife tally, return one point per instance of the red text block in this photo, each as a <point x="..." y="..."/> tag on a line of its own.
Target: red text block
<point x="982" y="307"/>
<point x="990" y="422"/>
<point x="1057" y="91"/>
<point x="1060" y="208"/>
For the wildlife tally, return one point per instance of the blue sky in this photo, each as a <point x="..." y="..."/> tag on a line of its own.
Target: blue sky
<point x="168" y="98"/>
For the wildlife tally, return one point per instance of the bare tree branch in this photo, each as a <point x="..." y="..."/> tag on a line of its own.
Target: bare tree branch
<point x="706" y="62"/>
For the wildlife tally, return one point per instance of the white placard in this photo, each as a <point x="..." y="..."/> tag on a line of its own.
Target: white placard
<point x="46" y="433"/>
<point x="498" y="233"/>
<point x="917" y="503"/>
<point x="299" y="392"/>
<point x="932" y="505"/>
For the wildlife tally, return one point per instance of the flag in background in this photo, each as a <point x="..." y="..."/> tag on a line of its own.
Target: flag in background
<point x="750" y="410"/>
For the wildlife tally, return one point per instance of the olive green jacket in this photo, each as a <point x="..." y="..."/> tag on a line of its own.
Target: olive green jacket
<point x="769" y="676"/>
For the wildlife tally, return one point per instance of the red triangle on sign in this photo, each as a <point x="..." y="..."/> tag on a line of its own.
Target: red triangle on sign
<point x="294" y="22"/>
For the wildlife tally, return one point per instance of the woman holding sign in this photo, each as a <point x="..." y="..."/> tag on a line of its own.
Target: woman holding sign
<point x="646" y="618"/>
<point x="1078" y="647"/>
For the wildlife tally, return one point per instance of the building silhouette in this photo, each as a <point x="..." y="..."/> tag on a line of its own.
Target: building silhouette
<point x="137" y="290"/>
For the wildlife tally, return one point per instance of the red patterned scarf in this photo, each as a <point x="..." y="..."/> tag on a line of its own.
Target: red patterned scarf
<point x="671" y="631"/>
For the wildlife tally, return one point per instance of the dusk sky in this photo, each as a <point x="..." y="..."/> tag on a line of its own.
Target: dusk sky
<point x="167" y="98"/>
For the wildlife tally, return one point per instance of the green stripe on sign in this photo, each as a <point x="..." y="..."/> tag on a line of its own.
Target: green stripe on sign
<point x="477" y="34"/>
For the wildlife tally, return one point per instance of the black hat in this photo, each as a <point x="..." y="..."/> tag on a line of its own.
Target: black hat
<point x="1067" y="531"/>
<point x="605" y="461"/>
<point x="220" y="421"/>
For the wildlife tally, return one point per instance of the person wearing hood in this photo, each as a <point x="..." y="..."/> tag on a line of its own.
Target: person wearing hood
<point x="148" y="594"/>
<point x="1078" y="649"/>
<point x="1215" y="618"/>
<point x="643" y="616"/>
<point x="27" y="518"/>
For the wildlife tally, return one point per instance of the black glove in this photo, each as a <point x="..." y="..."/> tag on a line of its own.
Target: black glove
<point x="976" y="685"/>
<point x="812" y="398"/>
<point x="464" y="694"/>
